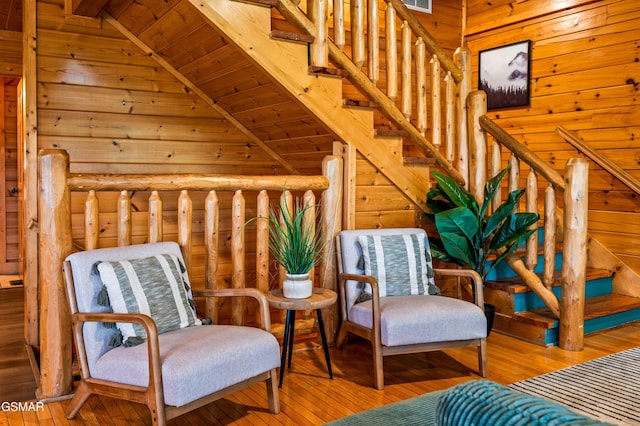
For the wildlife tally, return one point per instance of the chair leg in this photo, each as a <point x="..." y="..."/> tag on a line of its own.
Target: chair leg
<point x="272" y="392"/>
<point x="378" y="369"/>
<point x="482" y="358"/>
<point x="82" y="393"/>
<point x="342" y="337"/>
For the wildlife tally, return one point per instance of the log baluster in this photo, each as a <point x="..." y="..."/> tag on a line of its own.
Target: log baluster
<point x="549" y="245"/>
<point x="496" y="167"/>
<point x="262" y="242"/>
<point x="357" y="32"/>
<point x="318" y="49"/>
<point x="449" y="114"/>
<point x="286" y="202"/>
<point x="391" y="52"/>
<point x="185" y="224"/>
<point x="211" y="239"/>
<point x="514" y="176"/>
<point x="309" y="222"/>
<point x="532" y="206"/>
<point x="339" y="38"/>
<point x="238" y="255"/>
<point x="155" y="218"/>
<point x="406" y="70"/>
<point x="91" y="221"/>
<point x="373" y="41"/>
<point x="462" y="59"/>
<point x="436" y="105"/>
<point x="124" y="219"/>
<point x="421" y="86"/>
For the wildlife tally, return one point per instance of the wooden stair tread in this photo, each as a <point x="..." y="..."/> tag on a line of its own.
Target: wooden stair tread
<point x="266" y="3"/>
<point x="362" y="103"/>
<point x="418" y="161"/>
<point x="517" y="285"/>
<point x="291" y="36"/>
<point x="329" y="71"/>
<point x="380" y="131"/>
<point x="595" y="307"/>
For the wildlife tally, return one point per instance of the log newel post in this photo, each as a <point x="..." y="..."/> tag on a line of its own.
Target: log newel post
<point x="332" y="169"/>
<point x="477" y="107"/>
<point x="462" y="58"/>
<point x="574" y="255"/>
<point x="54" y="245"/>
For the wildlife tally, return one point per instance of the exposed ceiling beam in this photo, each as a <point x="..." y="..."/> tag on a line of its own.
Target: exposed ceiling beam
<point x="89" y="8"/>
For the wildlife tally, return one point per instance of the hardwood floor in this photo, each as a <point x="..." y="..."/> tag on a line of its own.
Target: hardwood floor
<point x="308" y="397"/>
<point x="16" y="376"/>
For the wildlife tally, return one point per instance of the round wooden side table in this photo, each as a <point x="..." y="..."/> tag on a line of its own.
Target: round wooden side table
<point x="319" y="299"/>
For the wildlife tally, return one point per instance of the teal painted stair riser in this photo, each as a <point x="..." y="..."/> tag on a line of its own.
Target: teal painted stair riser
<point x="596" y="324"/>
<point x="529" y="300"/>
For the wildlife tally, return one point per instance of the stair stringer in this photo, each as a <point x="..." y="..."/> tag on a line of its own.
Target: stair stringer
<point x="625" y="280"/>
<point x="248" y="27"/>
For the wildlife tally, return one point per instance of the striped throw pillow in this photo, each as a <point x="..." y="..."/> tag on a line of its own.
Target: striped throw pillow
<point x="153" y="286"/>
<point x="398" y="262"/>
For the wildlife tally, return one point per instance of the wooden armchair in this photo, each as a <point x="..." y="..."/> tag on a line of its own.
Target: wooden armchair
<point x="173" y="370"/>
<point x="392" y="269"/>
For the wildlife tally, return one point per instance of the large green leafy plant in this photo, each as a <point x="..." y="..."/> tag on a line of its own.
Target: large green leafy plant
<point x="468" y="234"/>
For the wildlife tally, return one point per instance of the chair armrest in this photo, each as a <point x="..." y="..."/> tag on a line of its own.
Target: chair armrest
<point x="263" y="304"/>
<point x="476" y="281"/>
<point x="153" y="347"/>
<point x="375" y="294"/>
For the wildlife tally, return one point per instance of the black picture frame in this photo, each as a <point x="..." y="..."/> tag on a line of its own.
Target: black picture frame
<point x="504" y="74"/>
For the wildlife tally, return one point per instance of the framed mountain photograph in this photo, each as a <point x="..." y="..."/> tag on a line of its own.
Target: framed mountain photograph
<point x="503" y="73"/>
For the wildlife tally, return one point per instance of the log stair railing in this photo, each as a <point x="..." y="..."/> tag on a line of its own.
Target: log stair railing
<point x="418" y="50"/>
<point x="56" y="236"/>
<point x="465" y="145"/>
<point x="601" y="160"/>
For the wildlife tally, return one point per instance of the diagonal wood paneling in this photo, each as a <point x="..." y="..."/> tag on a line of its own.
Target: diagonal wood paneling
<point x="177" y="33"/>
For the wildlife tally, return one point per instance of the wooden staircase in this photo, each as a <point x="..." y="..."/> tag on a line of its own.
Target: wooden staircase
<point x="280" y="59"/>
<point x="522" y="314"/>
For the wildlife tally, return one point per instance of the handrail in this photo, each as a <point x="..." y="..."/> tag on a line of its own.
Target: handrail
<point x="522" y="152"/>
<point x="294" y="15"/>
<point x="431" y="45"/>
<point x="601" y="160"/>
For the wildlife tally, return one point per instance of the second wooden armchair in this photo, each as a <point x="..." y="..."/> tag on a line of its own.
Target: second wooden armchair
<point x="385" y="277"/>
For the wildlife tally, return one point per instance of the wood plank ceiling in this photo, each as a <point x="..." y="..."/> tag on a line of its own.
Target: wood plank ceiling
<point x="11" y="15"/>
<point x="177" y="32"/>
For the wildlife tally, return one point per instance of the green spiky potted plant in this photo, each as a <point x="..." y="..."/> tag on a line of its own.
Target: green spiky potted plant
<point x="468" y="235"/>
<point x="296" y="246"/>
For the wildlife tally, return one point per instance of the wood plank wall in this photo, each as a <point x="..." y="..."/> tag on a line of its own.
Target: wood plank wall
<point x="10" y="53"/>
<point x="115" y="110"/>
<point x="9" y="261"/>
<point x="584" y="76"/>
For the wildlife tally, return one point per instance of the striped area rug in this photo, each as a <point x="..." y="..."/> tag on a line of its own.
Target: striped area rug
<point x="607" y="388"/>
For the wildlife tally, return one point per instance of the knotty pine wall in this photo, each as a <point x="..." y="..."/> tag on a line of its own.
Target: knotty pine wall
<point x="9" y="233"/>
<point x="116" y="111"/>
<point x="585" y="75"/>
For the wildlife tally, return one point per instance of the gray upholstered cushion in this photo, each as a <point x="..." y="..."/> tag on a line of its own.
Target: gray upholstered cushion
<point x="196" y="361"/>
<point x="88" y="285"/>
<point x="151" y="285"/>
<point x="406" y="320"/>
<point x="398" y="262"/>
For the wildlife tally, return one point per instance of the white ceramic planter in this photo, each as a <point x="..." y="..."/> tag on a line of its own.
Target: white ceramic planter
<point x="297" y="286"/>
